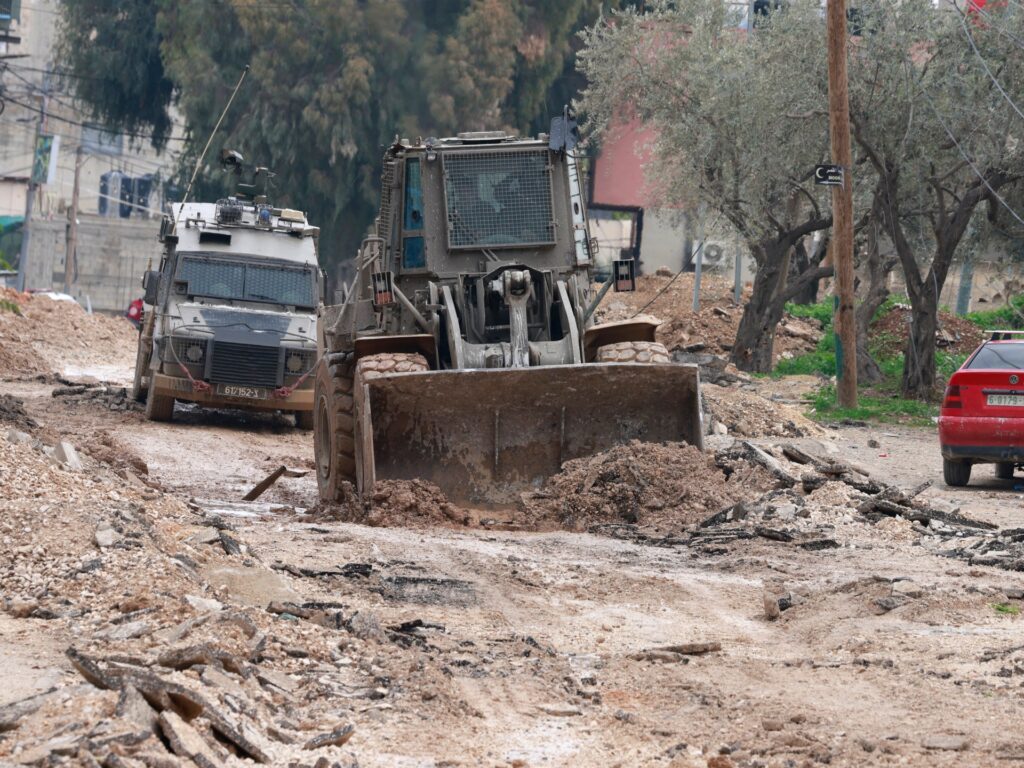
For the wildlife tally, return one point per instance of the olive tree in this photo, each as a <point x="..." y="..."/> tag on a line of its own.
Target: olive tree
<point x="736" y="127"/>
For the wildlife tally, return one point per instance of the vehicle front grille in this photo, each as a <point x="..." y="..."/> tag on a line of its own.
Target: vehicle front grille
<point x="245" y="364"/>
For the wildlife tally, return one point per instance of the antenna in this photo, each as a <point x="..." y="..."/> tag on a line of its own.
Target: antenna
<point x="209" y="141"/>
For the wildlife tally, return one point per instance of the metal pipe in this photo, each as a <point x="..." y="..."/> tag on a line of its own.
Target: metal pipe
<point x="597" y="299"/>
<point x="421" y="321"/>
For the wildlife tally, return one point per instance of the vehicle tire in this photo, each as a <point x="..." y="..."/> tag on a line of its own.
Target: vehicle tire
<point x="159" y="407"/>
<point x="647" y="352"/>
<point x="1004" y="470"/>
<point x="334" y="426"/>
<point x="304" y="420"/>
<point x="141" y="362"/>
<point x="372" y="366"/>
<point x="956" y="473"/>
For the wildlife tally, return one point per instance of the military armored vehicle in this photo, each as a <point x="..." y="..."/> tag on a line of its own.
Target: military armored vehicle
<point x="230" y="315"/>
<point x="465" y="351"/>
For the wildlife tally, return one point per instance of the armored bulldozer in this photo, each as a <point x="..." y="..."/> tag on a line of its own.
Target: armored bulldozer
<point x="464" y="352"/>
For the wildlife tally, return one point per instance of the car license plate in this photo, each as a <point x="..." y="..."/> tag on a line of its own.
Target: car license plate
<point x="234" y="390"/>
<point x="1013" y="400"/>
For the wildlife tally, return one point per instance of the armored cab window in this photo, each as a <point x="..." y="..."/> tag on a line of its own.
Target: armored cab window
<point x="498" y="199"/>
<point x="413" y="254"/>
<point x="221" y="279"/>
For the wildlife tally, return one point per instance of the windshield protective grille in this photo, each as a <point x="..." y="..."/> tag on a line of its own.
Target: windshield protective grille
<point x="221" y="279"/>
<point x="498" y="199"/>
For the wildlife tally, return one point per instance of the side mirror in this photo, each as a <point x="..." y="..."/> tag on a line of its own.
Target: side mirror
<point x="151" y="286"/>
<point x="624" y="274"/>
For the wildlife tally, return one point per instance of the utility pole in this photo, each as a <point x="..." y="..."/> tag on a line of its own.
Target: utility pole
<point x="842" y="205"/>
<point x="71" y="246"/>
<point x="26" y="227"/>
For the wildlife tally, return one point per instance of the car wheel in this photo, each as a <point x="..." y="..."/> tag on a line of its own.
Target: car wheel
<point x="1004" y="470"/>
<point x="956" y="473"/>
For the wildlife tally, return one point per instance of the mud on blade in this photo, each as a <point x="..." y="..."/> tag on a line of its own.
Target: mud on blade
<point x="485" y="436"/>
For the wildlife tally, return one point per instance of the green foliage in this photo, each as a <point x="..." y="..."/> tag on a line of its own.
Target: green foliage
<point x="822" y="311"/>
<point x="112" y="49"/>
<point x="6" y="305"/>
<point x="1006" y="609"/>
<point x="331" y="82"/>
<point x="884" y="408"/>
<point x="1010" y="316"/>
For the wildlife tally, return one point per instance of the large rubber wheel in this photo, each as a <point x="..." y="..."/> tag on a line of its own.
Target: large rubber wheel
<point x="1004" y="470"/>
<point x="334" y="426"/>
<point x="141" y="363"/>
<point x="649" y="352"/>
<point x="956" y="473"/>
<point x="336" y="439"/>
<point x="159" y="407"/>
<point x="304" y="420"/>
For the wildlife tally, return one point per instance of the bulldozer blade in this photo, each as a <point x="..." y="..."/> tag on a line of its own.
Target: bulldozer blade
<point x="485" y="436"/>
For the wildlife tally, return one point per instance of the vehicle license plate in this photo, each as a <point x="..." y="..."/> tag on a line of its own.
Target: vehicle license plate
<point x="234" y="390"/>
<point x="1015" y="400"/>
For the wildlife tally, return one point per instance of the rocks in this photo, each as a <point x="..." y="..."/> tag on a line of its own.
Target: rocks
<point x="186" y="741"/>
<point x="65" y="453"/>
<point x="560" y="710"/>
<point x="771" y="724"/>
<point x="945" y="742"/>
<point x="204" y="604"/>
<point x="336" y="738"/>
<point x="106" y="535"/>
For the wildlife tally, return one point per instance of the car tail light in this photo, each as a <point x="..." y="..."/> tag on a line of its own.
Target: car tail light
<point x="952" y="399"/>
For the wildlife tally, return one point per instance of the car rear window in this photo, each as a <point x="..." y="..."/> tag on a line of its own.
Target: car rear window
<point x="1000" y="357"/>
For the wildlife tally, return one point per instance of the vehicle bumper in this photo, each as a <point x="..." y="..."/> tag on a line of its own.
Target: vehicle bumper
<point x="181" y="389"/>
<point x="982" y="438"/>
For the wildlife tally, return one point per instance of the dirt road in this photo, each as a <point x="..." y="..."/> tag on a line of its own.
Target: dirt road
<point x="480" y="647"/>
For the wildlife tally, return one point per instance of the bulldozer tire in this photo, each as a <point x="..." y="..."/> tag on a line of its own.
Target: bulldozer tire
<point x="372" y="366"/>
<point x="334" y="426"/>
<point x="647" y="352"/>
<point x="159" y="407"/>
<point x="304" y="420"/>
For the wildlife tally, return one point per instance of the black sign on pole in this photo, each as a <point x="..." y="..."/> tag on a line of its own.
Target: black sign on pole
<point x="828" y="175"/>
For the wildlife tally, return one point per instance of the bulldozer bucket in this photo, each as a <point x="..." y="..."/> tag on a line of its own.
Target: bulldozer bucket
<point x="485" y="436"/>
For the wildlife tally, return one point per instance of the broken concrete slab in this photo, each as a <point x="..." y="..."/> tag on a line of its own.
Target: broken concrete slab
<point x="336" y="738"/>
<point x="254" y="586"/>
<point x="133" y="708"/>
<point x="11" y="714"/>
<point x="106" y="536"/>
<point x="187" y="742"/>
<point x="66" y="454"/>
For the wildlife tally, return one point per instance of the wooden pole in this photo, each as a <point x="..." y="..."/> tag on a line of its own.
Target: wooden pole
<point x="71" y="246"/>
<point x="842" y="205"/>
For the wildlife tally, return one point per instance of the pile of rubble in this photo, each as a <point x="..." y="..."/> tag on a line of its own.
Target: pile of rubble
<point x="48" y="335"/>
<point x="171" y="668"/>
<point x="741" y="412"/>
<point x="107" y="395"/>
<point x="712" y="329"/>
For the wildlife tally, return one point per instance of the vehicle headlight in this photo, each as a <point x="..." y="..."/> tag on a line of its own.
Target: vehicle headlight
<point x="294" y="362"/>
<point x="194" y="352"/>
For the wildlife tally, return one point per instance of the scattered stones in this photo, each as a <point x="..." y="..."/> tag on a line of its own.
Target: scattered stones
<point x="945" y="742"/>
<point x="106" y="535"/>
<point x="336" y="738"/>
<point x="66" y="454"/>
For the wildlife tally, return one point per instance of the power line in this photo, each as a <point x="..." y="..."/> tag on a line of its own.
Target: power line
<point x="984" y="64"/>
<point x="81" y="124"/>
<point x="967" y="158"/>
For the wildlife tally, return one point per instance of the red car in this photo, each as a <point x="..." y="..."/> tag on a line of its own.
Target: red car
<point x="982" y="416"/>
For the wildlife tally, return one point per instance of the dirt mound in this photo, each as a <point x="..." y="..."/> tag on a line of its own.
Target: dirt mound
<point x="411" y="503"/>
<point x="52" y="335"/>
<point x="13" y="413"/>
<point x="660" y="487"/>
<point x="747" y="414"/>
<point x="956" y="335"/>
<point x="713" y="328"/>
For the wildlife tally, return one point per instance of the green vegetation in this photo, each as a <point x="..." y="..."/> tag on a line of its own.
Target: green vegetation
<point x="1007" y="609"/>
<point x="1009" y="316"/>
<point x="9" y="306"/>
<point x="880" y="402"/>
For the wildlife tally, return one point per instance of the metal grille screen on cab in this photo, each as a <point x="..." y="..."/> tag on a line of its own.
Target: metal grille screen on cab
<point x="498" y="199"/>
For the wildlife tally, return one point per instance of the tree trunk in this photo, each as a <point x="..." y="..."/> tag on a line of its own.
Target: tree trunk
<point x="877" y="269"/>
<point x="919" y="357"/>
<point x="755" y="337"/>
